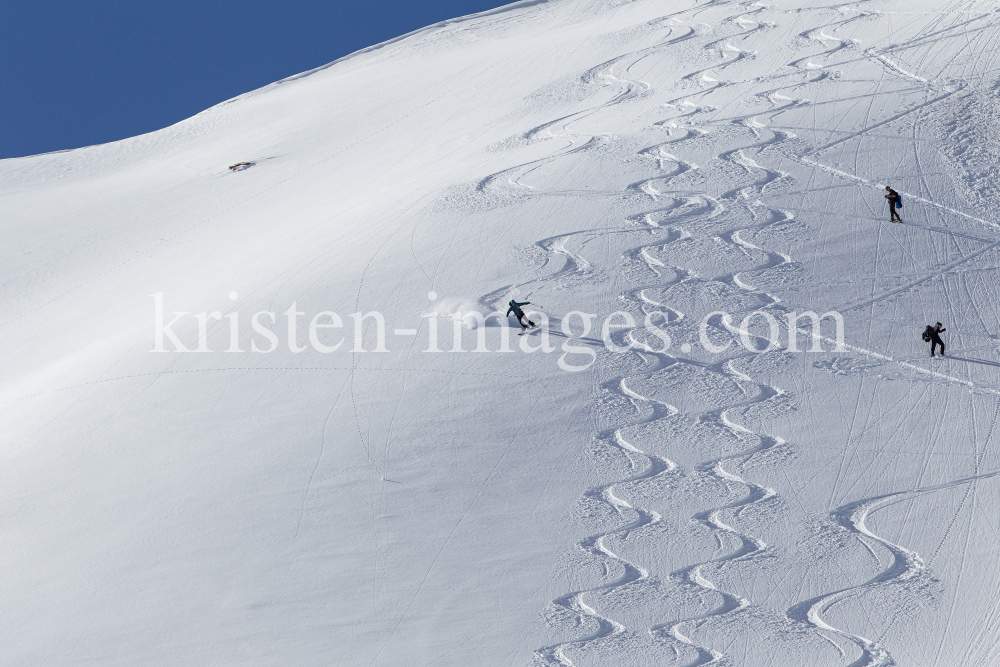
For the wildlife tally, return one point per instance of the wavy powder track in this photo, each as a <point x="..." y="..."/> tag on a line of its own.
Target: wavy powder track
<point x="906" y="565"/>
<point x="606" y="493"/>
<point x="596" y="544"/>
<point x="747" y="546"/>
<point x="716" y="519"/>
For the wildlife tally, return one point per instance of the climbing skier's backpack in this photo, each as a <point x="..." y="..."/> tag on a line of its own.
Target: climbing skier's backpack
<point x="927" y="335"/>
<point x="899" y="201"/>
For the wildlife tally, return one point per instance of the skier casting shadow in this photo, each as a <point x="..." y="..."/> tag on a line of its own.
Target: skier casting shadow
<point x="895" y="201"/>
<point x="515" y="308"/>
<point x="932" y="335"/>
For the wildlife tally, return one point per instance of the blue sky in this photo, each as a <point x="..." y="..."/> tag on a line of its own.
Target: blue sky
<point x="81" y="72"/>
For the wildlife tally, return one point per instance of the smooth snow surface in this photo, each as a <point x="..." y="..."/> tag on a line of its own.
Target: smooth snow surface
<point x="415" y="508"/>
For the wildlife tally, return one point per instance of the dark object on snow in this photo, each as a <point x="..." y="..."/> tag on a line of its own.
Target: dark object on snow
<point x="933" y="336"/>
<point x="895" y="201"/>
<point x="240" y="166"/>
<point x="515" y="308"/>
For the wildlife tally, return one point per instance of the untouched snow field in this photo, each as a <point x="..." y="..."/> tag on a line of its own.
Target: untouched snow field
<point x="664" y="505"/>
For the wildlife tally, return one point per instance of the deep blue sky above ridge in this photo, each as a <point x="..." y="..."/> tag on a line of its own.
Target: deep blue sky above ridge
<point x="82" y="72"/>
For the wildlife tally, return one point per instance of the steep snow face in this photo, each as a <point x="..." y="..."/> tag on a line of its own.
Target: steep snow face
<point x="664" y="473"/>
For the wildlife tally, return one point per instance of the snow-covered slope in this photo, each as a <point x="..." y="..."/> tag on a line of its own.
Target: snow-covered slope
<point x="405" y="507"/>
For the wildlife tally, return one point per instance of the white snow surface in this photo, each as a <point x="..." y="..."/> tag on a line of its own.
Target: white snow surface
<point x="490" y="508"/>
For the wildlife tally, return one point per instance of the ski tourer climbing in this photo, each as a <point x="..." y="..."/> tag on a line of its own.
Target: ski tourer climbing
<point x="515" y="308"/>
<point x="932" y="335"/>
<point x="895" y="201"/>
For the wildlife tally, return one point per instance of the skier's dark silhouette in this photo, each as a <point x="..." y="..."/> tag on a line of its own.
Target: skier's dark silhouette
<point x="893" y="198"/>
<point x="933" y="334"/>
<point x="515" y="308"/>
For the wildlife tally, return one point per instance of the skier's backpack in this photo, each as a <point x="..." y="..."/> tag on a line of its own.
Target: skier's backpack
<point x="926" y="336"/>
<point x="899" y="202"/>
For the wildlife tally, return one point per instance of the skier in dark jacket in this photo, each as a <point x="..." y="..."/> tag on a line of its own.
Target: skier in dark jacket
<point x="933" y="335"/>
<point x="894" y="199"/>
<point x="515" y="308"/>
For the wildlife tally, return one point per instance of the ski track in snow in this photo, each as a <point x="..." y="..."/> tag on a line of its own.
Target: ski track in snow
<point x="655" y="466"/>
<point x="748" y="546"/>
<point x="906" y="565"/>
<point x="716" y="519"/>
<point x="575" y="601"/>
<point x="722" y="520"/>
